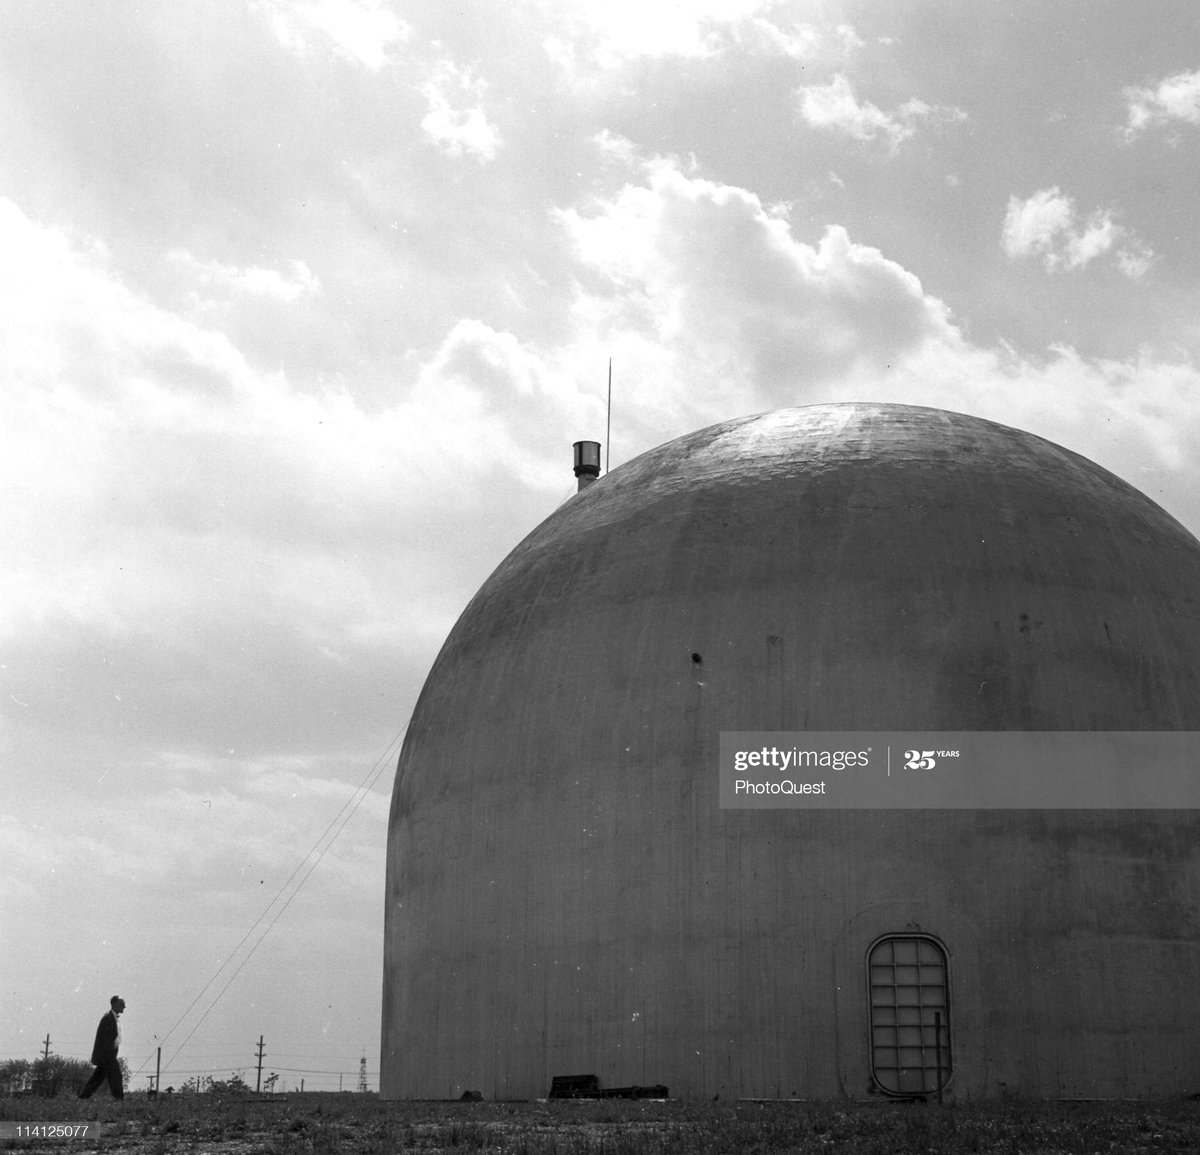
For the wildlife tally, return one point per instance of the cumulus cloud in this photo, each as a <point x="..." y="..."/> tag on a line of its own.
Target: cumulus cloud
<point x="456" y="129"/>
<point x="191" y="569"/>
<point x="714" y="300"/>
<point x="712" y="307"/>
<point x="589" y="35"/>
<point x="1047" y="225"/>
<point x="1134" y="259"/>
<point x="1032" y="225"/>
<point x="614" y="31"/>
<point x="528" y="403"/>
<point x="1176" y="99"/>
<point x="834" y="106"/>
<point x="1137" y="417"/>
<point x="363" y="31"/>
<point x="290" y="285"/>
<point x="619" y="149"/>
<point x="763" y="33"/>
<point x="190" y="522"/>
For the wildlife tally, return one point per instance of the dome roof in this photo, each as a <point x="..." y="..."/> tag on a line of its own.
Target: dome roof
<point x="564" y="891"/>
<point x="853" y="566"/>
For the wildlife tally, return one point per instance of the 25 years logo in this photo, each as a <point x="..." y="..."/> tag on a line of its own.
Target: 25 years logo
<point x="925" y="759"/>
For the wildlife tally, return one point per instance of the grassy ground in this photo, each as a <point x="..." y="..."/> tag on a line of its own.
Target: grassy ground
<point x="353" y="1124"/>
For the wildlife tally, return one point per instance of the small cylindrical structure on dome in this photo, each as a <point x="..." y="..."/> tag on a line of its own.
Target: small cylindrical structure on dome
<point x="587" y="462"/>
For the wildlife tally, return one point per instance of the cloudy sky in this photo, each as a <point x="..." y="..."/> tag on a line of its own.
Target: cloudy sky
<point x="302" y="303"/>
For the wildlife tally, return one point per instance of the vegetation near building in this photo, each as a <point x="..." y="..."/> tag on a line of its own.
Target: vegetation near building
<point x="48" y="1076"/>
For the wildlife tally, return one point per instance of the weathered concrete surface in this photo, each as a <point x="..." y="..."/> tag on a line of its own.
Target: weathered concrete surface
<point x="564" y="894"/>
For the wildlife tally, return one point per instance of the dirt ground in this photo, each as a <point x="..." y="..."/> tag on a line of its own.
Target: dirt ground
<point x="357" y="1123"/>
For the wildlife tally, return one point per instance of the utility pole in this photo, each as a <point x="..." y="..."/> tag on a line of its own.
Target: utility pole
<point x="258" y="1081"/>
<point x="43" y="1081"/>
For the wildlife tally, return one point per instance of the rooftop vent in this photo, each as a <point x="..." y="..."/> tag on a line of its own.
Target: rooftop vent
<point x="587" y="462"/>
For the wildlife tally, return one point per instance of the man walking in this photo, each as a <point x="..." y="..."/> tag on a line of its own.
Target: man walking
<point x="104" y="1053"/>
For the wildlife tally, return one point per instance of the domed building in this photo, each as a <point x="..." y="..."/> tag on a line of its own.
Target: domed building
<point x="565" y="895"/>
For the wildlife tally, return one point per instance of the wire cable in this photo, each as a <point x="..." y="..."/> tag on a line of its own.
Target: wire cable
<point x="349" y="807"/>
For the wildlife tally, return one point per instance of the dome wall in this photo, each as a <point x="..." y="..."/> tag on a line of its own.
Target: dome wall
<point x="564" y="894"/>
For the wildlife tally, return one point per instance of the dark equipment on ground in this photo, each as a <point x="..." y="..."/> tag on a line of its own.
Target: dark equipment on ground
<point x="588" y="1087"/>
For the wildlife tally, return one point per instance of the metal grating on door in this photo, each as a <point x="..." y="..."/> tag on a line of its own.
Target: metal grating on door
<point x="910" y="1008"/>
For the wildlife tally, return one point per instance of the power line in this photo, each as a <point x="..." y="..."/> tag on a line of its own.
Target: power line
<point x="349" y="807"/>
<point x="363" y="788"/>
<point x="310" y="1071"/>
<point x="269" y="1067"/>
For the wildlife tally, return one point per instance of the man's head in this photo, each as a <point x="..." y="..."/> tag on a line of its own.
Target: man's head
<point x="117" y="1003"/>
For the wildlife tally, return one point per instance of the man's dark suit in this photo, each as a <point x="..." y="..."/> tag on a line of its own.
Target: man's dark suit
<point x="104" y="1055"/>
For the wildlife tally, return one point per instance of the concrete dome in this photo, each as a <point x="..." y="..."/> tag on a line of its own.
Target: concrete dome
<point x="564" y="894"/>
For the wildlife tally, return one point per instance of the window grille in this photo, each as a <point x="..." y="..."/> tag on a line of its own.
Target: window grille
<point x="910" y="1014"/>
